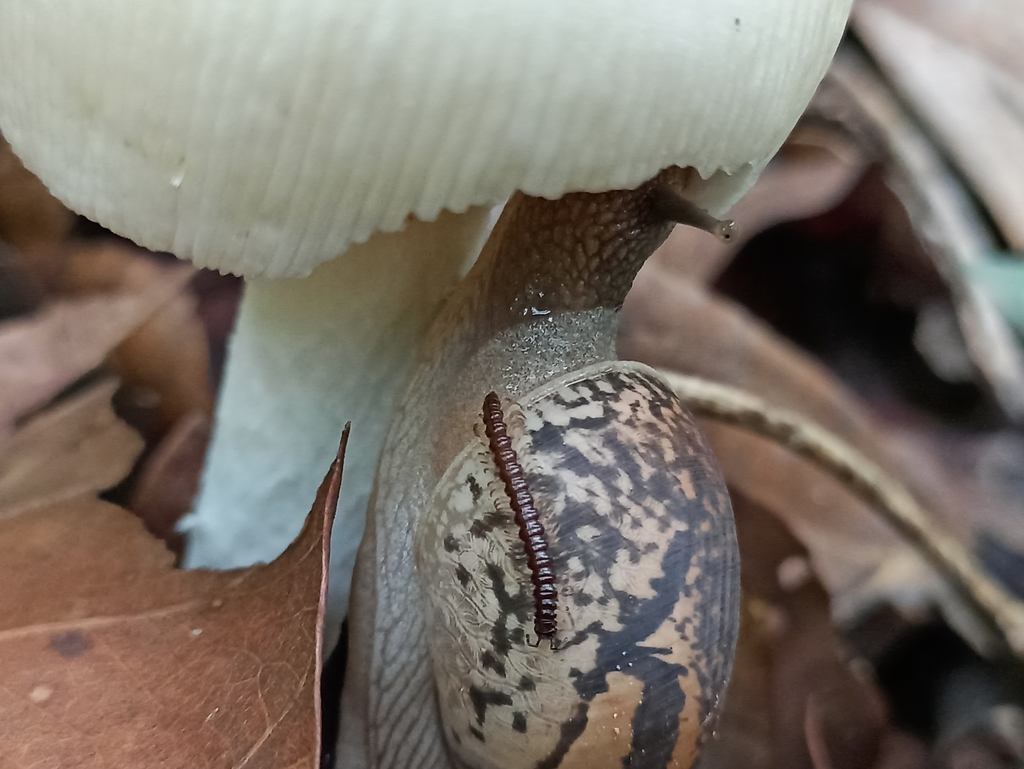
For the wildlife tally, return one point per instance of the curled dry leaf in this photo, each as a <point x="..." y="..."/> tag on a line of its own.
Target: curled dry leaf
<point x="169" y="478"/>
<point x="676" y="325"/>
<point x="31" y="219"/>
<point x="164" y="363"/>
<point x="971" y="102"/>
<point x="110" y="657"/>
<point x="76" y="448"/>
<point x="940" y="211"/>
<point x="42" y="354"/>
<point x="790" y="662"/>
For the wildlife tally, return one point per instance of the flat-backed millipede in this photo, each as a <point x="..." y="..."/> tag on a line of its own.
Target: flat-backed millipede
<point x="531" y="531"/>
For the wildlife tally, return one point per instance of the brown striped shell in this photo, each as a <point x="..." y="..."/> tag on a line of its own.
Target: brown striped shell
<point x="644" y="550"/>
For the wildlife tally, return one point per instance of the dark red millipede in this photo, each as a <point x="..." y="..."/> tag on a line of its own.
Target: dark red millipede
<point x="531" y="530"/>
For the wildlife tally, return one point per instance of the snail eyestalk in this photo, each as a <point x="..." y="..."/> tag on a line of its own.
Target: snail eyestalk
<point x="668" y="203"/>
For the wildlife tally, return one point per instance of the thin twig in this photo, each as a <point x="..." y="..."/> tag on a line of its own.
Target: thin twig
<point x="870" y="483"/>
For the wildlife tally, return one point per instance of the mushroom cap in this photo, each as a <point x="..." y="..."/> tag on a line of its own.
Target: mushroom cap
<point x="265" y="136"/>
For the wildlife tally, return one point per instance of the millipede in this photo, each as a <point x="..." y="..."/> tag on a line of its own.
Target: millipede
<point x="531" y="531"/>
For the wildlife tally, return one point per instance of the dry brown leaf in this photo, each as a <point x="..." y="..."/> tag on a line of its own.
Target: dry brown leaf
<point x="76" y="448"/>
<point x="790" y="662"/>
<point x="110" y="657"/>
<point x="991" y="28"/>
<point x="164" y="363"/>
<point x="674" y="324"/>
<point x="42" y="354"/>
<point x="939" y="211"/>
<point x="973" y="105"/>
<point x="169" y="478"/>
<point x="31" y="219"/>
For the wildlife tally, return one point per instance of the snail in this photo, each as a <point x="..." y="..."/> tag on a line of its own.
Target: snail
<point x="456" y="661"/>
<point x="640" y="534"/>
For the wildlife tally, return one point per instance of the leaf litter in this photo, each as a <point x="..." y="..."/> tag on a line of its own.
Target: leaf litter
<point x="78" y="447"/>
<point x="43" y="353"/>
<point x="110" y="657"/>
<point x="673" y="319"/>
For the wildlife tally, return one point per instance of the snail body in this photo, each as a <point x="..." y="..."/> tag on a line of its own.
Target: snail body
<point x="446" y="668"/>
<point x="641" y="539"/>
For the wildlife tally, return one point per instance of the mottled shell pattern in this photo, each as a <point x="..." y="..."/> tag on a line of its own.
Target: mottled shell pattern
<point x="641" y="534"/>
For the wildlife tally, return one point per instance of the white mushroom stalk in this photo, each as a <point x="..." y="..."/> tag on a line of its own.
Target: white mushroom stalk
<point x="307" y="355"/>
<point x="264" y="137"/>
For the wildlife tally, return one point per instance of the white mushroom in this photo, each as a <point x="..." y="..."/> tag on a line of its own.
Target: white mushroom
<point x="265" y="136"/>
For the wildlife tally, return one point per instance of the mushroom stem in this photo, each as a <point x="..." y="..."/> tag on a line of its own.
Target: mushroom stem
<point x="306" y="356"/>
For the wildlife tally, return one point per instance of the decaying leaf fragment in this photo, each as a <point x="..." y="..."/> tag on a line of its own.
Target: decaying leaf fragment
<point x="164" y="362"/>
<point x="680" y="326"/>
<point x="31" y="219"/>
<point x="75" y="448"/>
<point x="42" y="354"/>
<point x="794" y="701"/>
<point x="168" y="478"/>
<point x="967" y="94"/>
<point x="944" y="220"/>
<point x="110" y="657"/>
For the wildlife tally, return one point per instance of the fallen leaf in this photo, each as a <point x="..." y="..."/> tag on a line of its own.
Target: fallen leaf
<point x="169" y="478"/>
<point x="671" y="323"/>
<point x="75" y="448"/>
<point x="790" y="662"/>
<point x="30" y="217"/>
<point x="164" y="364"/>
<point x="941" y="215"/>
<point x="110" y="657"/>
<point x="973" y="105"/>
<point x="993" y="28"/>
<point x="42" y="354"/>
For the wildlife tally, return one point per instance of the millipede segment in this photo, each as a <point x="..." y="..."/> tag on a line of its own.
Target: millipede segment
<point x="531" y="531"/>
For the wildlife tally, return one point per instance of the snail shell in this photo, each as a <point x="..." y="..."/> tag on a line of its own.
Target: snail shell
<point x="643" y="544"/>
